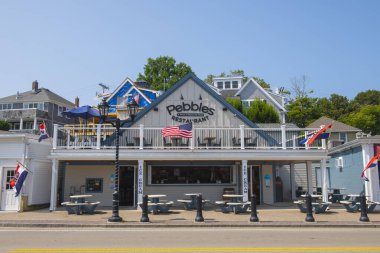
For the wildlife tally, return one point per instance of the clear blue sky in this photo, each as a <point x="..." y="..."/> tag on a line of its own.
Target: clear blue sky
<point x="70" y="46"/>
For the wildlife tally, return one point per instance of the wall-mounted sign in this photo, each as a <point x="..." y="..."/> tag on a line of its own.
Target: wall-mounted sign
<point x="187" y="112"/>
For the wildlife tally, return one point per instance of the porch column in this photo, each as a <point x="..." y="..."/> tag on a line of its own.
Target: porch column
<point x="292" y="181"/>
<point x="54" y="185"/>
<point x="244" y="177"/>
<point x="325" y="195"/>
<point x="370" y="173"/>
<point x="140" y="181"/>
<point x="21" y="123"/>
<point x="309" y="175"/>
<point x="35" y="123"/>
<point x="283" y="136"/>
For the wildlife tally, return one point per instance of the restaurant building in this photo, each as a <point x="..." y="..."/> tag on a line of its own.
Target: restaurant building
<point x="227" y="152"/>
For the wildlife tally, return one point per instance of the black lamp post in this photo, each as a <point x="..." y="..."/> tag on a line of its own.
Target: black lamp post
<point x="117" y="123"/>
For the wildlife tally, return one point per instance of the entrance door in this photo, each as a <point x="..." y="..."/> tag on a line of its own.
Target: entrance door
<point x="8" y="200"/>
<point x="127" y="185"/>
<point x="254" y="183"/>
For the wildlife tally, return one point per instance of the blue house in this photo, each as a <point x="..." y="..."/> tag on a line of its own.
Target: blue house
<point x="123" y="95"/>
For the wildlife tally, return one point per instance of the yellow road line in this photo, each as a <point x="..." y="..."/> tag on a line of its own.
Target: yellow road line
<point x="154" y="250"/>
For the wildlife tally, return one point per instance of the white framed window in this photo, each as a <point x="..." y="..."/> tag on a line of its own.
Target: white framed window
<point x="227" y="85"/>
<point x="339" y="162"/>
<point x="219" y="85"/>
<point x="235" y="84"/>
<point x="343" y="137"/>
<point x="60" y="110"/>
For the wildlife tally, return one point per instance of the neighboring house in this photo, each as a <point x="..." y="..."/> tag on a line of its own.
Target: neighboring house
<point x="347" y="162"/>
<point x="340" y="133"/>
<point x="123" y="95"/>
<point x="24" y="148"/>
<point x="25" y="111"/>
<point x="232" y="87"/>
<point x="227" y="152"/>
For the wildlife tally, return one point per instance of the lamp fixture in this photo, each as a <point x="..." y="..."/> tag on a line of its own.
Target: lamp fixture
<point x="200" y="97"/>
<point x="181" y="97"/>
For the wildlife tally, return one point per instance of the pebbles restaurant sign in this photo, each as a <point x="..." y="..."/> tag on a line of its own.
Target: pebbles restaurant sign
<point x="187" y="112"/>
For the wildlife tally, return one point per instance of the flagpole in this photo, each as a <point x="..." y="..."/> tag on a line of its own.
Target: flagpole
<point x="24" y="166"/>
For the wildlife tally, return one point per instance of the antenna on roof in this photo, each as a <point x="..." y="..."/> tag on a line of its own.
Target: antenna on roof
<point x="104" y="87"/>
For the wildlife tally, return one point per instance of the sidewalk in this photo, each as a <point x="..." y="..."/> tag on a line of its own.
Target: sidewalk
<point x="269" y="217"/>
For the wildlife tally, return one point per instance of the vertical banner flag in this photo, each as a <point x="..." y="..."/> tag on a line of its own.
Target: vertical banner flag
<point x="20" y="176"/>
<point x="136" y="97"/>
<point x="43" y="133"/>
<point x="184" y="131"/>
<point x="372" y="163"/>
<point x="318" y="135"/>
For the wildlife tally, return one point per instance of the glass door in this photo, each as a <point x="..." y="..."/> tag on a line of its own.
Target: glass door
<point x="8" y="200"/>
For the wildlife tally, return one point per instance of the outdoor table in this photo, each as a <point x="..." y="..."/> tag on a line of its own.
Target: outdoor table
<point x="209" y="139"/>
<point x="80" y="198"/>
<point x="193" y="198"/>
<point x="314" y="197"/>
<point x="155" y="198"/>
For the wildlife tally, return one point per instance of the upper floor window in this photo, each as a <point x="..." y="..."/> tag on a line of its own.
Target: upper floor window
<point x="5" y="106"/>
<point x="35" y="105"/>
<point x="60" y="110"/>
<point x="235" y="84"/>
<point x="227" y="85"/>
<point x="343" y="137"/>
<point x="220" y="85"/>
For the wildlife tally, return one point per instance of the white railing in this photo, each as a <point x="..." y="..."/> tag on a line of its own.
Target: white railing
<point x="103" y="137"/>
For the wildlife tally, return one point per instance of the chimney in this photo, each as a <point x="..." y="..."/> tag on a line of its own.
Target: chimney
<point x="76" y="102"/>
<point x="35" y="86"/>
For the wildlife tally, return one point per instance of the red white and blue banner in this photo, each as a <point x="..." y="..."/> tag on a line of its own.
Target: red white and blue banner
<point x="371" y="164"/>
<point x="43" y="133"/>
<point x="20" y="176"/>
<point x="317" y="135"/>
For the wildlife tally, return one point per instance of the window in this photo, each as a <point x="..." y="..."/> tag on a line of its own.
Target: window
<point x="220" y="85"/>
<point x="227" y="85"/>
<point x="6" y="106"/>
<point x="60" y="110"/>
<point x="343" y="137"/>
<point x="191" y="175"/>
<point x="339" y="162"/>
<point x="94" y="184"/>
<point x="10" y="176"/>
<point x="235" y="84"/>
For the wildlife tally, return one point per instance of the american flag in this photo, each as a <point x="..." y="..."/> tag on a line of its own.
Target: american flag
<point x="183" y="131"/>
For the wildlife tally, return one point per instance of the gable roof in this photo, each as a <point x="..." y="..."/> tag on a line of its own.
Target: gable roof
<point x="42" y="95"/>
<point x="206" y="88"/>
<point x="133" y="86"/>
<point x="264" y="92"/>
<point x="337" y="125"/>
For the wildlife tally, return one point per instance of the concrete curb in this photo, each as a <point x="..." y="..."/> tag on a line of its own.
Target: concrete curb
<point x="29" y="224"/>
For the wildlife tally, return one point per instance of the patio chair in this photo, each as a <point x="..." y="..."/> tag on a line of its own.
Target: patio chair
<point x="218" y="144"/>
<point x="166" y="144"/>
<point x="201" y="144"/>
<point x="185" y="144"/>
<point x="235" y="143"/>
<point x="147" y="144"/>
<point x="252" y="144"/>
<point x="129" y="143"/>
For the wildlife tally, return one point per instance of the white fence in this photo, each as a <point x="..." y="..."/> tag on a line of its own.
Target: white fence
<point x="104" y="137"/>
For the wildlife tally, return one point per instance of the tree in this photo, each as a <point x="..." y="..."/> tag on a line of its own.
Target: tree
<point x="163" y="72"/>
<point x="336" y="107"/>
<point x="369" y="97"/>
<point x="302" y="111"/>
<point x="236" y="103"/>
<point x="261" y="82"/>
<point x="261" y="112"/>
<point x="299" y="87"/>
<point x="4" y="125"/>
<point x="367" y="119"/>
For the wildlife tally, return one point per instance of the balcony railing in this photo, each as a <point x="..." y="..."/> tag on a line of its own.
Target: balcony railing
<point x="103" y="137"/>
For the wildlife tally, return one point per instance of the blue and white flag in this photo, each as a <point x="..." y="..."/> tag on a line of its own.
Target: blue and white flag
<point x="20" y="176"/>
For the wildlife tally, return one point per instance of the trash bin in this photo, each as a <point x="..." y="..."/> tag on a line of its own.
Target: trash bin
<point x="279" y="190"/>
<point x="228" y="191"/>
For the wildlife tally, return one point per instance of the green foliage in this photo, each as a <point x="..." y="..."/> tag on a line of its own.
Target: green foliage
<point x="369" y="97"/>
<point x="302" y="111"/>
<point x="163" y="72"/>
<point x="209" y="79"/>
<point x="236" y="103"/>
<point x="261" y="82"/>
<point x="336" y="107"/>
<point x="4" y="125"/>
<point x="367" y="119"/>
<point x="261" y="112"/>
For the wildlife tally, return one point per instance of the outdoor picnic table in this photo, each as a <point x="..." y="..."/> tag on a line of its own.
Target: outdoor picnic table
<point x="156" y="206"/>
<point x="80" y="198"/>
<point x="235" y="204"/>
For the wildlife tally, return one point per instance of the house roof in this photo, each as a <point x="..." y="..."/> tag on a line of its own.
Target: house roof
<point x="354" y="143"/>
<point x="228" y="93"/>
<point x="337" y="125"/>
<point x="206" y="88"/>
<point x="41" y="95"/>
<point x="264" y="92"/>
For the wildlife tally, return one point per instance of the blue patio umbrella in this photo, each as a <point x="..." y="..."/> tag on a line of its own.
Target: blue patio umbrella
<point x="84" y="112"/>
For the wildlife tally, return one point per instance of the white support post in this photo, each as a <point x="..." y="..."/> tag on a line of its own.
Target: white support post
<point x="192" y="138"/>
<point x="306" y="145"/>
<point x="68" y="138"/>
<point x="283" y="136"/>
<point x="242" y="136"/>
<point x="309" y="177"/>
<point x="140" y="181"/>
<point x="98" y="135"/>
<point x="21" y="123"/>
<point x="244" y="176"/>
<point x="324" y="144"/>
<point x="325" y="194"/>
<point x="54" y="185"/>
<point x="367" y="154"/>
<point x="35" y="123"/>
<point x="55" y="136"/>
<point x="141" y="137"/>
<point x="293" y="181"/>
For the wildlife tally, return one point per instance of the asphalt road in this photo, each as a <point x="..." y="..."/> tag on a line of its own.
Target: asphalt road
<point x="190" y="240"/>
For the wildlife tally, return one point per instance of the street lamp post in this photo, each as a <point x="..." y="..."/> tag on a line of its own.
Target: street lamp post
<point x="103" y="110"/>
